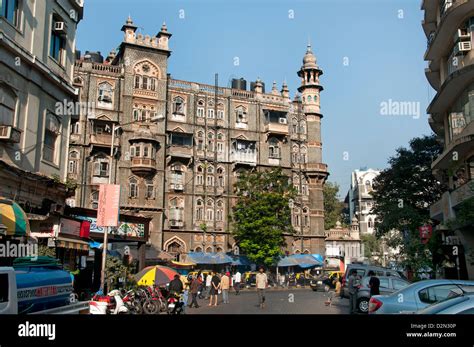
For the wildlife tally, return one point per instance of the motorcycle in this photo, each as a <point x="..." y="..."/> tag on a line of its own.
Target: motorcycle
<point x="111" y="303"/>
<point x="175" y="304"/>
<point x="132" y="302"/>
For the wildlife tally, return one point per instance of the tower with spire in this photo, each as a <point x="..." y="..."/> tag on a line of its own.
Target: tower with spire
<point x="316" y="171"/>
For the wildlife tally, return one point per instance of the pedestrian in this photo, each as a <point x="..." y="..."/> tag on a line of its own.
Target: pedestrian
<point x="208" y="285"/>
<point x="374" y="284"/>
<point x="225" y="286"/>
<point x="195" y="285"/>
<point x="215" y="287"/>
<point x="334" y="293"/>
<point x="237" y="280"/>
<point x="261" y="284"/>
<point x="176" y="285"/>
<point x="354" y="282"/>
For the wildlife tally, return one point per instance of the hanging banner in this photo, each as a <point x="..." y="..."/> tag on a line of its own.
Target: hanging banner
<point x="108" y="209"/>
<point x="425" y="233"/>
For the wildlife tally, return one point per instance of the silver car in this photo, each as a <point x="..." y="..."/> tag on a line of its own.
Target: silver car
<point x="463" y="304"/>
<point x="388" y="285"/>
<point x="417" y="296"/>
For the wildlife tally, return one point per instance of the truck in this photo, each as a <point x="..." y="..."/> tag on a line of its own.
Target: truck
<point x="38" y="288"/>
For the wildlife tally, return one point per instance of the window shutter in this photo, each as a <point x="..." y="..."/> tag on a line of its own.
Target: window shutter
<point x="96" y="168"/>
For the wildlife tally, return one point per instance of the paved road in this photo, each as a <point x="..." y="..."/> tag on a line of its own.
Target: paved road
<point x="297" y="301"/>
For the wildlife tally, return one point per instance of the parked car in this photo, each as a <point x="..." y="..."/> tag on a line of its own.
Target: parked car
<point x="418" y="296"/>
<point x="363" y="270"/>
<point x="463" y="304"/>
<point x="325" y="281"/>
<point x="388" y="285"/>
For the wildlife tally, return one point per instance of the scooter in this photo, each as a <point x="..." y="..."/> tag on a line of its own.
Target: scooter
<point x="108" y="304"/>
<point x="175" y="304"/>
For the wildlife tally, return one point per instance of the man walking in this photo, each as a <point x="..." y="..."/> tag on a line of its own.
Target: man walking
<point x="354" y="282"/>
<point x="225" y="285"/>
<point x="208" y="285"/>
<point x="374" y="284"/>
<point x="237" y="280"/>
<point x="262" y="283"/>
<point x="195" y="285"/>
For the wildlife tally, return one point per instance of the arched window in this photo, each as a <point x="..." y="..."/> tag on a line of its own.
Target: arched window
<point x="273" y="148"/>
<point x="220" y="110"/>
<point x="240" y="114"/>
<point x="209" y="249"/>
<point x="178" y="106"/>
<point x="105" y="93"/>
<point x="220" y="211"/>
<point x="303" y="154"/>
<point x="220" y="177"/>
<point x="200" y="109"/>
<point x="368" y="185"/>
<point x="210" y="141"/>
<point x="198" y="249"/>
<point x="95" y="199"/>
<point x="133" y="187"/>
<point x="199" y="175"/>
<point x="309" y="98"/>
<point x="294" y="123"/>
<point x="210" y="210"/>
<point x="302" y="127"/>
<point x="304" y="186"/>
<point x="370" y="223"/>
<point x="146" y="76"/>
<point x="295" y="154"/>
<point x="305" y="216"/>
<point x="73" y="162"/>
<point x="296" y="217"/>
<point x="199" y="209"/>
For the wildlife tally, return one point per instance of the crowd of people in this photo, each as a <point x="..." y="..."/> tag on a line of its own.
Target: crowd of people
<point x="214" y="285"/>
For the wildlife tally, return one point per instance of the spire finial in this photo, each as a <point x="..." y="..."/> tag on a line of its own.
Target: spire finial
<point x="129" y="19"/>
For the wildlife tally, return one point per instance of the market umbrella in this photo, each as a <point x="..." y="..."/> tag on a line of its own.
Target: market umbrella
<point x="13" y="219"/>
<point x="157" y="275"/>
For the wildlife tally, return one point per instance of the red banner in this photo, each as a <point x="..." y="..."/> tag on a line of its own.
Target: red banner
<point x="425" y="233"/>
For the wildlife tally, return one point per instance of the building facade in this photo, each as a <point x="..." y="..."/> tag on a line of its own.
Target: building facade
<point x="343" y="244"/>
<point x="181" y="145"/>
<point x="37" y="45"/>
<point x="449" y="28"/>
<point x="360" y="200"/>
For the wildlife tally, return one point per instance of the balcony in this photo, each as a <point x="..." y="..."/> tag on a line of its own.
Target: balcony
<point x="244" y="157"/>
<point x="317" y="167"/>
<point x="277" y="128"/>
<point x="185" y="152"/>
<point x="104" y="140"/>
<point x="463" y="193"/>
<point x="9" y="134"/>
<point x="143" y="165"/>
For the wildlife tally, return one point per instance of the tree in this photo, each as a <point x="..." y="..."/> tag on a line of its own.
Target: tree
<point x="262" y="214"/>
<point x="333" y="208"/>
<point x="402" y="195"/>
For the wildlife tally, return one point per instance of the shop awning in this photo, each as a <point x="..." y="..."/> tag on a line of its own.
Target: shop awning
<point x="180" y="264"/>
<point x="301" y="260"/>
<point x="208" y="258"/>
<point x="13" y="219"/>
<point x="64" y="242"/>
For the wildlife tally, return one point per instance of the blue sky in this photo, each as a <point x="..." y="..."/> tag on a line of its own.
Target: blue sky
<point x="382" y="41"/>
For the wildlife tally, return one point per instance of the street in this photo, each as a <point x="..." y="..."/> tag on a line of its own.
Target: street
<point x="287" y="301"/>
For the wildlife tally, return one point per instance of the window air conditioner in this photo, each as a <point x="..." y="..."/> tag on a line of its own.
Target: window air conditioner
<point x="282" y="120"/>
<point x="60" y="27"/>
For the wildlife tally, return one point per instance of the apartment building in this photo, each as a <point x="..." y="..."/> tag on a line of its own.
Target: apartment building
<point x="449" y="28"/>
<point x="180" y="146"/>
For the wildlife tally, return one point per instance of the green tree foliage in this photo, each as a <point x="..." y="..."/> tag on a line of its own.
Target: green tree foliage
<point x="262" y="215"/>
<point x="333" y="208"/>
<point x="403" y="193"/>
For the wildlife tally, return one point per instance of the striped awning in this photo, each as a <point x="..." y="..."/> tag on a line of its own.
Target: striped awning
<point x="13" y="219"/>
<point x="79" y="245"/>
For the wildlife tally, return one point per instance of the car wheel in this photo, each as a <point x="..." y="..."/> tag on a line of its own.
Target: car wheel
<point x="363" y="305"/>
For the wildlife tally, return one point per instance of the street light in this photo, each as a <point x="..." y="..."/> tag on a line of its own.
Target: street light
<point x="107" y="229"/>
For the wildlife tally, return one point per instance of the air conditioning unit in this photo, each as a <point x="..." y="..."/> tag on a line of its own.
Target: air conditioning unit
<point x="60" y="27"/>
<point x="462" y="35"/>
<point x="9" y="134"/>
<point x="462" y="47"/>
<point x="282" y="121"/>
<point x="157" y="118"/>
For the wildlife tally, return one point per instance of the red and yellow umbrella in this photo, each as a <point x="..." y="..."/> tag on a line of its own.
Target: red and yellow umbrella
<point x="13" y="219"/>
<point x="155" y="275"/>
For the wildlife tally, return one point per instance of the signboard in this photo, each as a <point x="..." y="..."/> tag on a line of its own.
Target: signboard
<point x="108" y="210"/>
<point x="47" y="228"/>
<point x="124" y="229"/>
<point x="70" y="227"/>
<point x="425" y="233"/>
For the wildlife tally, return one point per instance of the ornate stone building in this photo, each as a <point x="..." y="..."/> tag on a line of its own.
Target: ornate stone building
<point x="182" y="145"/>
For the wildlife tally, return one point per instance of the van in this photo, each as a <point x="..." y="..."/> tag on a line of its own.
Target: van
<point x="363" y="271"/>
